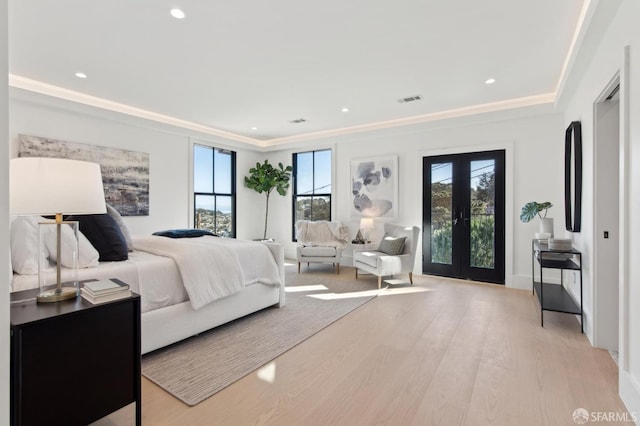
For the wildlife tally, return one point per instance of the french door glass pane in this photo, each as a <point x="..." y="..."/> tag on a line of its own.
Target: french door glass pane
<point x="202" y="169"/>
<point x="482" y="218"/>
<point x="441" y="213"/>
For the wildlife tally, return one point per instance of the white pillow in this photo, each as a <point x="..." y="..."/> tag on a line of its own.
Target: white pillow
<point x="24" y="245"/>
<point x="87" y="254"/>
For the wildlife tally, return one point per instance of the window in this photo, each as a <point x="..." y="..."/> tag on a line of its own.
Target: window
<point x="214" y="190"/>
<point x="311" y="186"/>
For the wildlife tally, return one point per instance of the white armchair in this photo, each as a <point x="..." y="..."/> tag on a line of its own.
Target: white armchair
<point x="320" y="242"/>
<point x="381" y="263"/>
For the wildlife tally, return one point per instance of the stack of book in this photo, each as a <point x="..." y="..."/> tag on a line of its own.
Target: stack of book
<point x="105" y="291"/>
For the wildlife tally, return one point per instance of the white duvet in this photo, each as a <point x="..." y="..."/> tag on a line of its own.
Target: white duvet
<point x="211" y="267"/>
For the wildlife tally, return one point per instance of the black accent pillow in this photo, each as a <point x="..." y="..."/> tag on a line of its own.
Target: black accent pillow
<point x="184" y="233"/>
<point x="104" y="233"/>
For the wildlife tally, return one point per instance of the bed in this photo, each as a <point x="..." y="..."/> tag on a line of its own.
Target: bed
<point x="169" y="275"/>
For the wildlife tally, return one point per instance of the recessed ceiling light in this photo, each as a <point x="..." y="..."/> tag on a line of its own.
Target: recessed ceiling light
<point x="490" y="81"/>
<point x="345" y="109"/>
<point x="177" y="13"/>
<point x="254" y="128"/>
<point x="81" y="75"/>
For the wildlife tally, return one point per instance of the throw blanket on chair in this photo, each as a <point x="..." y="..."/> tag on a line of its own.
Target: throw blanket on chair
<point x="321" y="233"/>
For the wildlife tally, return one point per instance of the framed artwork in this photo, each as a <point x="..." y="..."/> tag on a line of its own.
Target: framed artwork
<point x="125" y="174"/>
<point x="374" y="187"/>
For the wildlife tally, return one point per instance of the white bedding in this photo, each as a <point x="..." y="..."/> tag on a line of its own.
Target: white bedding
<point x="155" y="278"/>
<point x="211" y="267"/>
<point x="159" y="267"/>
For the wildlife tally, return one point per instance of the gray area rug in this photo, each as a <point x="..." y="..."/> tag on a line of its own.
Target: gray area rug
<point x="198" y="367"/>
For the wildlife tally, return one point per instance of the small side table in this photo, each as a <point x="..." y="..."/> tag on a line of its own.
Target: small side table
<point x="554" y="297"/>
<point x="73" y="362"/>
<point x="364" y="246"/>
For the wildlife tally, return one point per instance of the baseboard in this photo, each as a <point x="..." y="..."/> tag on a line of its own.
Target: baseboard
<point x="520" y="282"/>
<point x="629" y="390"/>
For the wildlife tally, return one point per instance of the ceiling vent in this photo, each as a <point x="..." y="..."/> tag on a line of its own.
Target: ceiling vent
<point x="410" y="99"/>
<point x="298" y="120"/>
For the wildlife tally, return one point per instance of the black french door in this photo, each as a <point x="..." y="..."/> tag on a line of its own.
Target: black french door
<point x="463" y="216"/>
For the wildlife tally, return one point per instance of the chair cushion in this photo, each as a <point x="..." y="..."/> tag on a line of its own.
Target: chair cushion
<point x="318" y="251"/>
<point x="368" y="257"/>
<point x="392" y="246"/>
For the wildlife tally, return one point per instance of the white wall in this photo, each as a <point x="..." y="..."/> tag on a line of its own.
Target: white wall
<point x="5" y="270"/>
<point x="603" y="62"/>
<point x="170" y="205"/>
<point x="534" y="140"/>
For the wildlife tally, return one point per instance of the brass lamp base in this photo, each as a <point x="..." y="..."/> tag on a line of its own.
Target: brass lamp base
<point x="57" y="295"/>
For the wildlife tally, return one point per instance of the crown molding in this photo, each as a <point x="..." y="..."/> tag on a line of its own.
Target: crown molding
<point x="82" y="98"/>
<point x="546" y="98"/>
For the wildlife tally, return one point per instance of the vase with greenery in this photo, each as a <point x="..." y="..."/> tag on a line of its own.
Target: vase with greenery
<point x="533" y="209"/>
<point x="265" y="178"/>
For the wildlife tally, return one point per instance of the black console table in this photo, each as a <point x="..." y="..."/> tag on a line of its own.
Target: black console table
<point x="554" y="297"/>
<point x="73" y="362"/>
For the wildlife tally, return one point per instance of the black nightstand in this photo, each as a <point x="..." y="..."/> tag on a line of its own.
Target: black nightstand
<point x="73" y="362"/>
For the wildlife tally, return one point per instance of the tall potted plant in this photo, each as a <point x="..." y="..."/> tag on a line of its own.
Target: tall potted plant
<point x="265" y="178"/>
<point x="533" y="209"/>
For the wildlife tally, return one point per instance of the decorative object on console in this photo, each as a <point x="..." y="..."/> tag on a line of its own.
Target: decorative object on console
<point x="374" y="187"/>
<point x="265" y="178"/>
<point x="56" y="186"/>
<point x="561" y="244"/>
<point x="533" y="209"/>
<point x="573" y="181"/>
<point x="125" y="173"/>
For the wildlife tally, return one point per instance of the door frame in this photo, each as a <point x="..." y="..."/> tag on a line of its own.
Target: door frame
<point x="605" y="293"/>
<point x="509" y="222"/>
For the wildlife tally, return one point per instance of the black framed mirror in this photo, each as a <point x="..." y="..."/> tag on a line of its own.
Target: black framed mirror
<point x="573" y="176"/>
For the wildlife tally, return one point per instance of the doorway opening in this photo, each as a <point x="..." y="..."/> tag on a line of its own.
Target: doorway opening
<point x="606" y="217"/>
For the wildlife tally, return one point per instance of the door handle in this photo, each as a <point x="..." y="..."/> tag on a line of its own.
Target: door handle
<point x="464" y="215"/>
<point x="457" y="216"/>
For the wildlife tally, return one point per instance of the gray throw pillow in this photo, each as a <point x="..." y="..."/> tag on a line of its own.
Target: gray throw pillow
<point x="391" y="245"/>
<point x="111" y="211"/>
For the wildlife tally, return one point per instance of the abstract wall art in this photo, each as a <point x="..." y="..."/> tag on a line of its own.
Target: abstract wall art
<point x="374" y="187"/>
<point x="125" y="174"/>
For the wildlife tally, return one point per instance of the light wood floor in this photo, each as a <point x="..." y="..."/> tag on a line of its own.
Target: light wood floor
<point x="452" y="352"/>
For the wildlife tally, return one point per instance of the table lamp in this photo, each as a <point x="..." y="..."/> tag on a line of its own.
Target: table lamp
<point x="366" y="224"/>
<point x="55" y="186"/>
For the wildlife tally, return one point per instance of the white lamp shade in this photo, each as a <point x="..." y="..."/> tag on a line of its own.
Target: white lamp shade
<point x="45" y="186"/>
<point x="366" y="223"/>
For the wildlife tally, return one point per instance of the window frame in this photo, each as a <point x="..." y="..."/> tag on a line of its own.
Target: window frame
<point x="215" y="194"/>
<point x="313" y="194"/>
